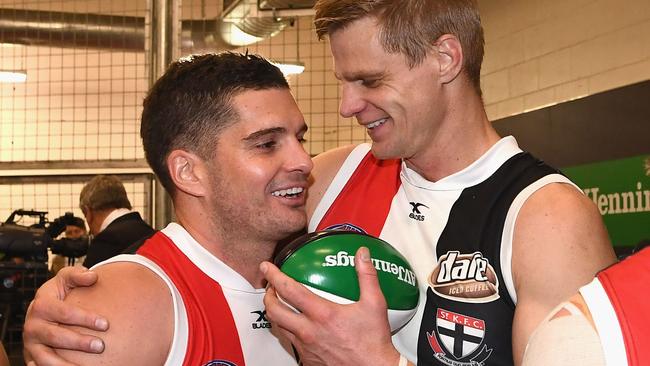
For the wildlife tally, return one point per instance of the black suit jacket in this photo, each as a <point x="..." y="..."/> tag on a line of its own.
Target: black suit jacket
<point x="116" y="237"/>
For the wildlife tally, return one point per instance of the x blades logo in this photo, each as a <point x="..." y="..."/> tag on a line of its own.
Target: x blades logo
<point x="261" y="322"/>
<point x="416" y="214"/>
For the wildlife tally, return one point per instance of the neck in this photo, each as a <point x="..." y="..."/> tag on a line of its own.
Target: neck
<point x="465" y="134"/>
<point x="98" y="217"/>
<point x="242" y="254"/>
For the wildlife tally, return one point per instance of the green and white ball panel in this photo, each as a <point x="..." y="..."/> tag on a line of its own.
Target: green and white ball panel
<point x="324" y="263"/>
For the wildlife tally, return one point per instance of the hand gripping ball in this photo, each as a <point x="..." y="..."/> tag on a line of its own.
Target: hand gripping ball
<point x="324" y="263"/>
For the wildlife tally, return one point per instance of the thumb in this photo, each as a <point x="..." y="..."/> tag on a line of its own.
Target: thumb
<point x="71" y="277"/>
<point x="368" y="280"/>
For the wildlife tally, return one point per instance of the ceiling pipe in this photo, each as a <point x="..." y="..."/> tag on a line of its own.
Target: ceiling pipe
<point x="114" y="32"/>
<point x="252" y="19"/>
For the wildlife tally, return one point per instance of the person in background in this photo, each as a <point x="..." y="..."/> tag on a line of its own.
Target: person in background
<point x="114" y="226"/>
<point x="75" y="230"/>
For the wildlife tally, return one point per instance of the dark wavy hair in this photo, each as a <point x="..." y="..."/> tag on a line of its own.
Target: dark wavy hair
<point x="189" y="106"/>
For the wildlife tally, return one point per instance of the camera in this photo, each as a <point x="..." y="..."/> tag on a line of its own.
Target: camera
<point x="31" y="242"/>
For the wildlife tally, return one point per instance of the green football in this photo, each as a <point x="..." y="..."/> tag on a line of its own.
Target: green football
<point x="324" y="263"/>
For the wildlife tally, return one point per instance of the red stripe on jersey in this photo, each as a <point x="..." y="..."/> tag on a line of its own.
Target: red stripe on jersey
<point x="212" y="331"/>
<point x="367" y="196"/>
<point x="626" y="286"/>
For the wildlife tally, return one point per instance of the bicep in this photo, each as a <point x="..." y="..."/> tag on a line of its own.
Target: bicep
<point x="559" y="244"/>
<point x="140" y="312"/>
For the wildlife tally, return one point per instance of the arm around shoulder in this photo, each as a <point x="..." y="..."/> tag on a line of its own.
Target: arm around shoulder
<point x="139" y="306"/>
<point x="559" y="244"/>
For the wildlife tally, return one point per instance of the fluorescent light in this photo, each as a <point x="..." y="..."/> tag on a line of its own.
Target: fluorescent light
<point x="233" y="35"/>
<point x="13" y="76"/>
<point x="290" y="68"/>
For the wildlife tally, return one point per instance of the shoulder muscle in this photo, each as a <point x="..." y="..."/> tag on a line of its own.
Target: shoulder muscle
<point x="139" y="307"/>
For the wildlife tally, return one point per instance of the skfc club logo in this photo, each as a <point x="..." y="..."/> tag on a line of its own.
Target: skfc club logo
<point x="460" y="337"/>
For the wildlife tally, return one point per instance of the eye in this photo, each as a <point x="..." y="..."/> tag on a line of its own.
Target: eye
<point x="267" y="145"/>
<point x="370" y="83"/>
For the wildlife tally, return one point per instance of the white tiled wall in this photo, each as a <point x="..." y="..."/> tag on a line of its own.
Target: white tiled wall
<point x="542" y="52"/>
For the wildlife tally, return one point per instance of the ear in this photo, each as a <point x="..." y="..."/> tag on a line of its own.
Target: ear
<point x="188" y="172"/>
<point x="450" y="57"/>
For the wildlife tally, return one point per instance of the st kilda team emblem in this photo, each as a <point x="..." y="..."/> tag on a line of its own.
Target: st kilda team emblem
<point x="459" y="338"/>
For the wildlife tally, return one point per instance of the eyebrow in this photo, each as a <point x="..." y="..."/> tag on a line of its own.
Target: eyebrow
<point x="270" y="131"/>
<point x="359" y="75"/>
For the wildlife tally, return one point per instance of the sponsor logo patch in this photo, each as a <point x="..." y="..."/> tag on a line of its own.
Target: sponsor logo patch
<point x="261" y="321"/>
<point x="220" y="363"/>
<point x="465" y="277"/>
<point x="346" y="227"/>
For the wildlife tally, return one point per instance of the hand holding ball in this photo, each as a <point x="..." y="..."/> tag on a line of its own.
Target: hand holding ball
<point x="324" y="263"/>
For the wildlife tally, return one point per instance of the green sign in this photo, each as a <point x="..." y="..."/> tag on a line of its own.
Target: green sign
<point x="621" y="191"/>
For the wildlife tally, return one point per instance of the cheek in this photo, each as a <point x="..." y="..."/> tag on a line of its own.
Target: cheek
<point x="254" y="173"/>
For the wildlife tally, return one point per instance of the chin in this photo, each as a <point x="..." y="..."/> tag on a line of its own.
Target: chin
<point x="382" y="151"/>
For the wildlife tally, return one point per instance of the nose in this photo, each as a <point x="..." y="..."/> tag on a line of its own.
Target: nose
<point x="300" y="160"/>
<point x="351" y="100"/>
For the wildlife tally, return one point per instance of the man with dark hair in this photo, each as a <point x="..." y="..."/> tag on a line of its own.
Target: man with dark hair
<point x="114" y="226"/>
<point x="74" y="230"/>
<point x="496" y="237"/>
<point x="224" y="135"/>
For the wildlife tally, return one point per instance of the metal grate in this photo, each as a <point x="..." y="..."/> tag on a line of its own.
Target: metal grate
<point x="82" y="97"/>
<point x="316" y="89"/>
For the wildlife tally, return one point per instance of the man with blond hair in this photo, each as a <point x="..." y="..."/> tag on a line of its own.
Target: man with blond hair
<point x="496" y="237"/>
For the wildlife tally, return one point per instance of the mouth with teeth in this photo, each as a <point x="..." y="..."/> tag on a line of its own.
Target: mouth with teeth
<point x="288" y="193"/>
<point x="376" y="123"/>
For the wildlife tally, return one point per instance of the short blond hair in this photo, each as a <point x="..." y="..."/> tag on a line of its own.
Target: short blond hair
<point x="410" y="27"/>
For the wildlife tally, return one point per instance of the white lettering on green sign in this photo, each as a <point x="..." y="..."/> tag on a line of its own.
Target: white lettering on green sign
<point x="620" y="202"/>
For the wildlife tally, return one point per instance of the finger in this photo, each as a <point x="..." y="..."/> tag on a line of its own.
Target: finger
<point x="64" y="313"/>
<point x="278" y="312"/>
<point x="71" y="277"/>
<point x="292" y="292"/>
<point x="369" y="288"/>
<point x="45" y="334"/>
<point x="44" y="356"/>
